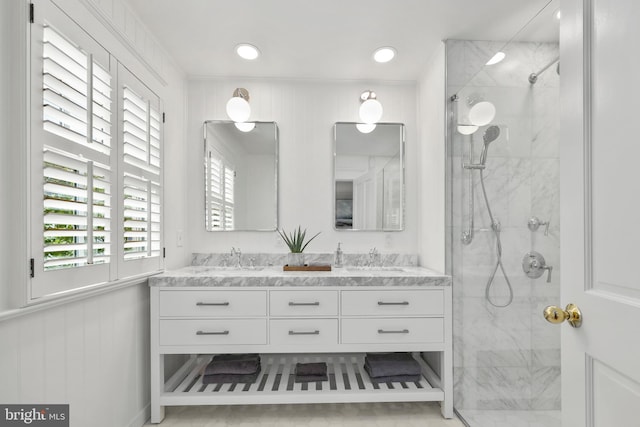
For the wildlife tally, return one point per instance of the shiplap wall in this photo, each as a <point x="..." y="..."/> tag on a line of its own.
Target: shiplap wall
<point x="305" y="111"/>
<point x="91" y="353"/>
<point x="431" y="113"/>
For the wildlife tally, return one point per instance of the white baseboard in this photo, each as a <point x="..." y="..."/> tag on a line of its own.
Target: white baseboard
<point x="142" y="417"/>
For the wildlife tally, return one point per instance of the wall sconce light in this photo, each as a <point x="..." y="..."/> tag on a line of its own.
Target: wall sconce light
<point x="370" y="107"/>
<point x="365" y="127"/>
<point x="238" y="108"/>
<point x="482" y="113"/>
<point x="245" y="127"/>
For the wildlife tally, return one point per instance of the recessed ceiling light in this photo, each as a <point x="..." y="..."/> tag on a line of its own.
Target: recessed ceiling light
<point x="496" y="58"/>
<point x="247" y="51"/>
<point x="559" y="14"/>
<point x="384" y="54"/>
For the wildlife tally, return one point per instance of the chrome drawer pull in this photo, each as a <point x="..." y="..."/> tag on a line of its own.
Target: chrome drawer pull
<point x="316" y="332"/>
<point x="393" y="303"/>
<point x="382" y="331"/>
<point x="291" y="303"/>
<point x="212" y="333"/>
<point x="213" y="303"/>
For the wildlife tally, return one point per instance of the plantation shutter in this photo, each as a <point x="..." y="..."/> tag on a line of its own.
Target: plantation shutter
<point x="71" y="157"/>
<point x="219" y="188"/>
<point x="141" y="167"/>
<point x="229" y="179"/>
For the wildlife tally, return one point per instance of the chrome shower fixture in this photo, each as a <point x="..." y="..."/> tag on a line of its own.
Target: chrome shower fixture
<point x="491" y="134"/>
<point x="533" y="77"/>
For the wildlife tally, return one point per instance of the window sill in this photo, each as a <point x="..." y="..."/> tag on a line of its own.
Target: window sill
<point x="64" y="298"/>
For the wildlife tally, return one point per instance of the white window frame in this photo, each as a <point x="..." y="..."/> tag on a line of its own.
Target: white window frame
<point x="50" y="284"/>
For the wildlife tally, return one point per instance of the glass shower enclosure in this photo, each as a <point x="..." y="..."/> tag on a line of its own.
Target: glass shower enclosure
<point x="503" y="224"/>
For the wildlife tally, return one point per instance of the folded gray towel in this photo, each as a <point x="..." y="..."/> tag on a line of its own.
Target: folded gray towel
<point x="236" y="357"/>
<point x="306" y="369"/>
<point x="310" y="378"/>
<point x="230" y="367"/>
<point x="393" y="378"/>
<point x="391" y="364"/>
<point x="233" y="364"/>
<point x="230" y="378"/>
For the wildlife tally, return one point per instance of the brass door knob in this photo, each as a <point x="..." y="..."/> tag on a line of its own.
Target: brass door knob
<point x="572" y="314"/>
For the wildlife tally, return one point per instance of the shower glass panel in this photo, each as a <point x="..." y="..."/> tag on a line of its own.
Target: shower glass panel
<point x="500" y="175"/>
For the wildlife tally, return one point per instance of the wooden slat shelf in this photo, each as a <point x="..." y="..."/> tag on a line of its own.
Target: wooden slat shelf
<point x="348" y="382"/>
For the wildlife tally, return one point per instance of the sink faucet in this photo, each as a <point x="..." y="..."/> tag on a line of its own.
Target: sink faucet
<point x="237" y="254"/>
<point x="373" y="257"/>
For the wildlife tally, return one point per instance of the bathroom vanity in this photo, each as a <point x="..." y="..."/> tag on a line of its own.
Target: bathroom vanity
<point x="289" y="317"/>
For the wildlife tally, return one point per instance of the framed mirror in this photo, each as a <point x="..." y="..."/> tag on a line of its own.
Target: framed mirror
<point x="368" y="177"/>
<point x="241" y="176"/>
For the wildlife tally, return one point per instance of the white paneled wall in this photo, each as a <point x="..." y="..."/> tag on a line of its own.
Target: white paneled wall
<point x="92" y="354"/>
<point x="305" y="111"/>
<point x="431" y="113"/>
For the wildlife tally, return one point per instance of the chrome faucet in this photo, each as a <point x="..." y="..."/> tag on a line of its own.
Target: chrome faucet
<point x="373" y="257"/>
<point x="238" y="255"/>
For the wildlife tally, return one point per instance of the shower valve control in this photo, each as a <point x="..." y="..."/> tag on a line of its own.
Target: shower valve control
<point x="534" y="223"/>
<point x="534" y="266"/>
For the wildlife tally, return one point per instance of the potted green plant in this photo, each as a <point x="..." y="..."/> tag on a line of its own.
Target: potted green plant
<point x="296" y="243"/>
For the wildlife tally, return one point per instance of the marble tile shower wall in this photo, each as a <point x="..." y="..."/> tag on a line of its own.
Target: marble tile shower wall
<point x="506" y="358"/>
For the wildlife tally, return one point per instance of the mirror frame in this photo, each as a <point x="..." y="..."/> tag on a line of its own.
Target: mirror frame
<point x="402" y="178"/>
<point x="276" y="175"/>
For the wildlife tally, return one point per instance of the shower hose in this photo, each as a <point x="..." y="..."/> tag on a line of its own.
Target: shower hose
<point x="495" y="226"/>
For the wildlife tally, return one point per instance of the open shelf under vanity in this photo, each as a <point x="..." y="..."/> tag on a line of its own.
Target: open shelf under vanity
<point x="347" y="382"/>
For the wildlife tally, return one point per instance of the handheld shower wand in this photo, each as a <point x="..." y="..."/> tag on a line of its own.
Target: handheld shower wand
<point x="491" y="134"/>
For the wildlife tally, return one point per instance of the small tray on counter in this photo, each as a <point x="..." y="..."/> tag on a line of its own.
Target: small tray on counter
<point x="307" y="267"/>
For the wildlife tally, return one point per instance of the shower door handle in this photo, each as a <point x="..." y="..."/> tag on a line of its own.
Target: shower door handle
<point x="571" y="314"/>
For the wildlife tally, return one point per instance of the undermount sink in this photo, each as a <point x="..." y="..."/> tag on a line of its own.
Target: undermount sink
<point x="373" y="268"/>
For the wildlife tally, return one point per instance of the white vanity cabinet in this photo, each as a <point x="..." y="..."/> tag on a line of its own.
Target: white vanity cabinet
<point x="290" y="324"/>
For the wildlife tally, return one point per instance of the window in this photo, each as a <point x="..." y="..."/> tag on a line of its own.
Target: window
<point x="95" y="163"/>
<point x="219" y="189"/>
<point x="77" y="109"/>
<point x="141" y="135"/>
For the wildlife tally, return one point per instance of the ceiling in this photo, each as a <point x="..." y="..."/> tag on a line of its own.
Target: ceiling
<point x="327" y="39"/>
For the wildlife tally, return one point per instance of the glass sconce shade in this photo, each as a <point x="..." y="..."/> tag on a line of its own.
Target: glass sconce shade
<point x="365" y="127"/>
<point x="482" y="113"/>
<point x="238" y="108"/>
<point x="370" y="109"/>
<point x="246" y="126"/>
<point x="467" y="129"/>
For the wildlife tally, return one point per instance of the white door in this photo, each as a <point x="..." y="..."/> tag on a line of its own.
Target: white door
<point x="600" y="211"/>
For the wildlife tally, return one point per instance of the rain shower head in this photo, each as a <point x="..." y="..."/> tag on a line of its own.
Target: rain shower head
<point x="491" y="134"/>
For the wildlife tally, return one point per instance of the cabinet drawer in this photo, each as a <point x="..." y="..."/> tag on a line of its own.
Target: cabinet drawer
<point x="419" y="302"/>
<point x="213" y="303"/>
<point x="303" y="303"/>
<point x="303" y="331"/>
<point x="390" y="331"/>
<point x="206" y="331"/>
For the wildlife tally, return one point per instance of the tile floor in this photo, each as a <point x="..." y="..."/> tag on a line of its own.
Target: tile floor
<point x="502" y="418"/>
<point x="400" y="414"/>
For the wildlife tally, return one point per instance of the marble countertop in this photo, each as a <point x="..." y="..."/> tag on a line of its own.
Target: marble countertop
<point x="275" y="276"/>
